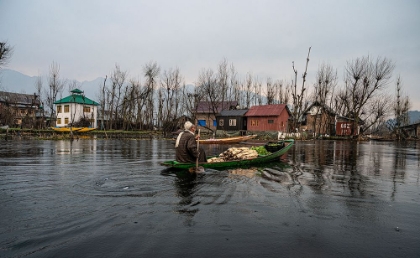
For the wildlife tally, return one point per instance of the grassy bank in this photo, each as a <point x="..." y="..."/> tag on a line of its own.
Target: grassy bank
<point x="48" y="134"/>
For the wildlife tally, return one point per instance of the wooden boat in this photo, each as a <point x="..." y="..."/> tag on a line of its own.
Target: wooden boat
<point x="236" y="163"/>
<point x="73" y="129"/>
<point x="85" y="129"/>
<point x="228" y="140"/>
<point x="66" y="129"/>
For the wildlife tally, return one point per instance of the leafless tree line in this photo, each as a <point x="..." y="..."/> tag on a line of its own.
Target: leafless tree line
<point x="364" y="98"/>
<point x="163" y="97"/>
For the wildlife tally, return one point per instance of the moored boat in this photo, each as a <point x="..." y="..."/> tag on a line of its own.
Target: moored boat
<point x="85" y="129"/>
<point x="236" y="163"/>
<point x="229" y="140"/>
<point x="73" y="129"/>
<point x="66" y="129"/>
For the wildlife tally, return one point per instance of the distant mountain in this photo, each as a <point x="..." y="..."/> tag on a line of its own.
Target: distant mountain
<point x="414" y="116"/>
<point x="13" y="81"/>
<point x="17" y="82"/>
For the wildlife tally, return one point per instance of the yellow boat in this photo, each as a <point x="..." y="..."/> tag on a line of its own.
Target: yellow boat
<point x="66" y="129"/>
<point x="73" y="129"/>
<point x="85" y="129"/>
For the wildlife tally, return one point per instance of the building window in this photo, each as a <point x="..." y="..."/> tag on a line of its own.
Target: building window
<point x="66" y="108"/>
<point x="221" y="122"/>
<point x="58" y="109"/>
<point x="215" y="123"/>
<point x="201" y="122"/>
<point x="58" y="121"/>
<point x="254" y="122"/>
<point x="66" y="120"/>
<point x="270" y="121"/>
<point x="86" y="109"/>
<point x="232" y="122"/>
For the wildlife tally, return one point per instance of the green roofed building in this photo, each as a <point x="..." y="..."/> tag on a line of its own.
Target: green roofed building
<point x="75" y="108"/>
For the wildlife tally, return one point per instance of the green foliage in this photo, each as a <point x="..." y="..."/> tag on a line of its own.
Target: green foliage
<point x="260" y="150"/>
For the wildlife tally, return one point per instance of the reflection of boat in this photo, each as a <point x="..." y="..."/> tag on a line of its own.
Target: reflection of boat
<point x="382" y="139"/>
<point x="227" y="140"/>
<point x="72" y="129"/>
<point x="236" y="163"/>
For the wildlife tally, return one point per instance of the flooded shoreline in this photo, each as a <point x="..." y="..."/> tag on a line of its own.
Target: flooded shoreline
<point x="111" y="198"/>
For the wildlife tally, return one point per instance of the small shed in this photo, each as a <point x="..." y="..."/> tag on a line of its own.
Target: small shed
<point x="232" y="120"/>
<point x="268" y="118"/>
<point x="344" y="126"/>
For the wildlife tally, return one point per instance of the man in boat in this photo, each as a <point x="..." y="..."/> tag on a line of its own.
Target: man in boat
<point x="186" y="145"/>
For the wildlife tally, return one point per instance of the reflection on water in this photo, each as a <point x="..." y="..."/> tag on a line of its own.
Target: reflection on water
<point x="248" y="172"/>
<point x="111" y="198"/>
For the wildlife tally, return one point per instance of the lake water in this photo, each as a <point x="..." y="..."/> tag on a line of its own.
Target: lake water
<point x="111" y="198"/>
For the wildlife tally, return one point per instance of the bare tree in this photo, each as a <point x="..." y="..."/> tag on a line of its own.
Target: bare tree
<point x="401" y="107"/>
<point x="326" y="81"/>
<point x="151" y="71"/>
<point x="118" y="78"/>
<point x="248" y="90"/>
<point x="191" y="100"/>
<point x="376" y="111"/>
<point x="141" y="95"/>
<point x="281" y="93"/>
<point x="170" y="100"/>
<point x="102" y="102"/>
<point x="55" y="86"/>
<point x="207" y="82"/>
<point x="257" y="91"/>
<point x="222" y="80"/>
<point x="364" y="80"/>
<point x="234" y="91"/>
<point x="6" y="52"/>
<point x="298" y="95"/>
<point x="210" y="90"/>
<point x="38" y="92"/>
<point x="271" y="92"/>
<point x="38" y="86"/>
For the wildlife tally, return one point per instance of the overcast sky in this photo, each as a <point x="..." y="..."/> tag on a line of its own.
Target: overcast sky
<point x="87" y="38"/>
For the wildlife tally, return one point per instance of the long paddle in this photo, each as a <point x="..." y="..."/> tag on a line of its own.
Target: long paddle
<point x="198" y="150"/>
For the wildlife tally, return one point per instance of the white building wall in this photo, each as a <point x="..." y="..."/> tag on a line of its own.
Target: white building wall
<point x="75" y="113"/>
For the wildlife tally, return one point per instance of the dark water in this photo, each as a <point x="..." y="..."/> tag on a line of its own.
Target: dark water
<point x="111" y="198"/>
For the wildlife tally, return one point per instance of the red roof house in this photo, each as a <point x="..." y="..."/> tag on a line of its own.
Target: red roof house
<point x="268" y="118"/>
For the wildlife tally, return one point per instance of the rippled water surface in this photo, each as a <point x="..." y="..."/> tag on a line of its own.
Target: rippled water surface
<point x="112" y="198"/>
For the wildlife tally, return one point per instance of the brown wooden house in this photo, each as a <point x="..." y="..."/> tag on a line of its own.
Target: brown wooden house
<point x="318" y="119"/>
<point x="18" y="109"/>
<point x="412" y="131"/>
<point x="268" y="118"/>
<point x="206" y="111"/>
<point x="232" y="120"/>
